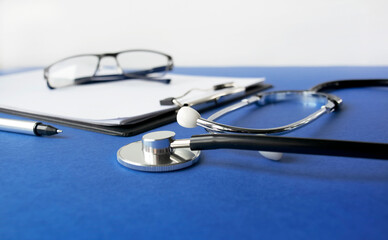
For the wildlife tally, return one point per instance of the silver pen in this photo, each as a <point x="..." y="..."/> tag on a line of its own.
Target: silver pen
<point x="27" y="127"/>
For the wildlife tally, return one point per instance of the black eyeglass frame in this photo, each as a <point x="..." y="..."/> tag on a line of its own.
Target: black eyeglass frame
<point x="117" y="77"/>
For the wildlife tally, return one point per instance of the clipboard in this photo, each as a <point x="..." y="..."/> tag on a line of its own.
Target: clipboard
<point x="132" y="126"/>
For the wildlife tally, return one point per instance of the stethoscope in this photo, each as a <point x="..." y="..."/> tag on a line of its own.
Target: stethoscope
<point x="160" y="151"/>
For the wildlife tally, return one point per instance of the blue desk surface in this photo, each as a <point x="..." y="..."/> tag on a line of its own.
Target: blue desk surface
<point x="70" y="186"/>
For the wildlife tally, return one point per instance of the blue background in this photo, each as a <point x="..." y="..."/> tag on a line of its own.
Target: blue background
<point x="70" y="186"/>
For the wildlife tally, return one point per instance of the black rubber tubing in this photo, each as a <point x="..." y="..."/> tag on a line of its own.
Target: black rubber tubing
<point x="290" y="145"/>
<point x="340" y="84"/>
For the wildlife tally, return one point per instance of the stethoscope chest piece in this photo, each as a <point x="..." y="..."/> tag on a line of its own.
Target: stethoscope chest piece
<point x="155" y="154"/>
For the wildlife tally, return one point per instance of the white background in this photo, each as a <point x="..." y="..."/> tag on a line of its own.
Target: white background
<point x="198" y="32"/>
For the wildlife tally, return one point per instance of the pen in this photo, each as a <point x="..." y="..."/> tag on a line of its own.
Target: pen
<point x="27" y="127"/>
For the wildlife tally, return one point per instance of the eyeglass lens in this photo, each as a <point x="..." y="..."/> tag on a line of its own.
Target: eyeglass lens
<point x="142" y="63"/>
<point x="65" y="72"/>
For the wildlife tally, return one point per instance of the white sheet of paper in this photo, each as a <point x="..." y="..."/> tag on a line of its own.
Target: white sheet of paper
<point x="103" y="103"/>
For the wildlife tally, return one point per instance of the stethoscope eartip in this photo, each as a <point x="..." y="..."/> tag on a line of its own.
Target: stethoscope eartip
<point x="275" y="156"/>
<point x="187" y="117"/>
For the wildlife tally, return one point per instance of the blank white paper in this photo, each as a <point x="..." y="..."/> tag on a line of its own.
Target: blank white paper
<point x="102" y="103"/>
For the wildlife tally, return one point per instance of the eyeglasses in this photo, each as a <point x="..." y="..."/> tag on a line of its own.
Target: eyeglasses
<point x="97" y="68"/>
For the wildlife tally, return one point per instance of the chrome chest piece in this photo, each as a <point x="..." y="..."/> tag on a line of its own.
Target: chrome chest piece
<point x="155" y="153"/>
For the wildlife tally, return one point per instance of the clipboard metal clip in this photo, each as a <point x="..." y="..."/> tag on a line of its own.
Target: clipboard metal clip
<point x="213" y="94"/>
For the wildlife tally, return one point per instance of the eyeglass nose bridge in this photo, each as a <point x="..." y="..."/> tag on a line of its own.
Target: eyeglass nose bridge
<point x="108" y="55"/>
<point x="112" y="67"/>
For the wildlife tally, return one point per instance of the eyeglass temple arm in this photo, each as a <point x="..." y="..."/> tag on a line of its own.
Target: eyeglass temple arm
<point x="149" y="71"/>
<point x="111" y="78"/>
<point x="127" y="76"/>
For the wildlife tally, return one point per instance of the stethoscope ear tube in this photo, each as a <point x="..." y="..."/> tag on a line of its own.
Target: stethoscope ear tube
<point x="290" y="145"/>
<point x="340" y="84"/>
